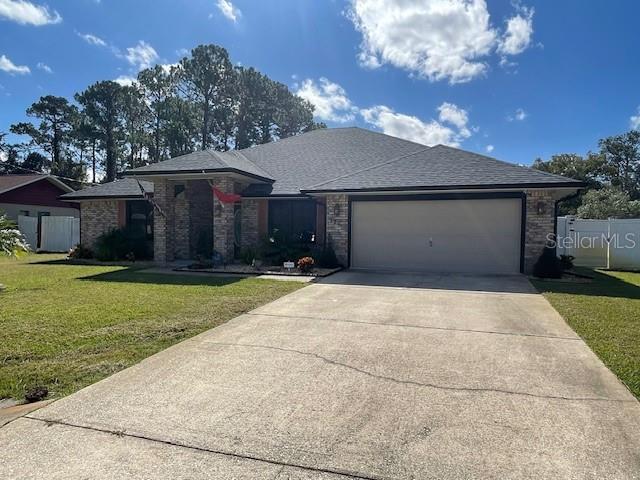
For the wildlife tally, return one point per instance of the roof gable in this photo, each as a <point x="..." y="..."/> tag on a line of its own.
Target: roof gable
<point x="11" y="182"/>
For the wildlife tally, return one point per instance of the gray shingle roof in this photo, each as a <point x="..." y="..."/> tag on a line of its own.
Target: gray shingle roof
<point x="355" y="159"/>
<point x="123" y="188"/>
<point x="441" y="166"/>
<point x="208" y="161"/>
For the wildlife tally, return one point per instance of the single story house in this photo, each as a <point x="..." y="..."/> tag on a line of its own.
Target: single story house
<point x="35" y="195"/>
<point x="381" y="202"/>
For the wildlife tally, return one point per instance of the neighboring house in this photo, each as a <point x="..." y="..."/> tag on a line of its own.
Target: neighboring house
<point x="37" y="196"/>
<point x="34" y="196"/>
<point x="381" y="202"/>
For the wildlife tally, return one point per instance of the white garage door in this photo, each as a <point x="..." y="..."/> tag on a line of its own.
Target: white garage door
<point x="465" y="236"/>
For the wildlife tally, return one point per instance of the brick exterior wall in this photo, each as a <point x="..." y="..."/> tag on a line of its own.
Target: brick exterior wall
<point x="96" y="218"/>
<point x="163" y="225"/>
<point x="223" y="220"/>
<point x="538" y="225"/>
<point x="337" y="226"/>
<point x="249" y="226"/>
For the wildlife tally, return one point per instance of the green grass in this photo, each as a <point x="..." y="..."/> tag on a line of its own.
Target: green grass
<point x="606" y="314"/>
<point x="66" y="326"/>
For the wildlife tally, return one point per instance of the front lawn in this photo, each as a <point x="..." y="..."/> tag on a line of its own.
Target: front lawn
<point x="66" y="326"/>
<point x="606" y="314"/>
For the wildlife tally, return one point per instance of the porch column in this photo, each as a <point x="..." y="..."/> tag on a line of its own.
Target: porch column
<point x="163" y="225"/>
<point x="337" y="226"/>
<point x="223" y="224"/>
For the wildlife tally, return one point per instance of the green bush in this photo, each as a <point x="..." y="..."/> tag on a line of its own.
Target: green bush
<point x="123" y="244"/>
<point x="248" y="255"/>
<point x="548" y="265"/>
<point x="276" y="249"/>
<point x="327" y="257"/>
<point x="12" y="242"/>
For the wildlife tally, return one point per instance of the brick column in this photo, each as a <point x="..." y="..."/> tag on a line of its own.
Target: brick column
<point x="249" y="212"/>
<point x="337" y="227"/>
<point x="223" y="220"/>
<point x="163" y="226"/>
<point x="539" y="225"/>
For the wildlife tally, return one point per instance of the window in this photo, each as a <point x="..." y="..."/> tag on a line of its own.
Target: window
<point x="295" y="219"/>
<point x="24" y="213"/>
<point x="140" y="217"/>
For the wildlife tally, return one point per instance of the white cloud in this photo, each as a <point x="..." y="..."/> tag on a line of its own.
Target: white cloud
<point x="44" y="67"/>
<point x="125" y="80"/>
<point x="438" y="39"/>
<point x="517" y="36"/>
<point x="412" y="128"/>
<point x="330" y="100"/>
<point x="450" y="113"/>
<point x="11" y="68"/>
<point x="489" y="148"/>
<point x="27" y="13"/>
<point x="634" y="121"/>
<point x="229" y="10"/>
<point x="142" y="55"/>
<point x="519" y="115"/>
<point x="92" y="39"/>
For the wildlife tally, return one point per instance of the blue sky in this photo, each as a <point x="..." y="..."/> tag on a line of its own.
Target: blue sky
<point x="518" y="80"/>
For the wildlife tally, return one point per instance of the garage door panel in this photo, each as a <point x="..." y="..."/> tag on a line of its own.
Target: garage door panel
<point x="477" y="236"/>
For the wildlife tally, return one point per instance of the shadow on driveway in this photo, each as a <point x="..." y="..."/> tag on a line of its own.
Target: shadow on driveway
<point x="431" y="281"/>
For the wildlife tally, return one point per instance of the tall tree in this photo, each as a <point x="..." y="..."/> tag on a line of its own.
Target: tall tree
<point x="136" y="115"/>
<point x="622" y="156"/>
<point x="159" y="87"/>
<point x="209" y="81"/>
<point x="86" y="138"/>
<point x="52" y="134"/>
<point x="103" y="104"/>
<point x="293" y="115"/>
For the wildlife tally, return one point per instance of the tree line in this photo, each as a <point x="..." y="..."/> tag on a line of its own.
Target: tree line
<point x="611" y="176"/>
<point x="202" y="102"/>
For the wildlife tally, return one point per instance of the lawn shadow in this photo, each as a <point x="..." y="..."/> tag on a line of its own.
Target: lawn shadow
<point x="603" y="285"/>
<point x="138" y="276"/>
<point x="92" y="263"/>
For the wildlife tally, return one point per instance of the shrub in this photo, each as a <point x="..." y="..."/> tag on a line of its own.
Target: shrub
<point x="80" y="252"/>
<point x="12" y="243"/>
<point x="327" y="257"/>
<point x="548" y="265"/>
<point x="305" y="264"/>
<point x="566" y="261"/>
<point x="248" y="255"/>
<point x="276" y="249"/>
<point x="122" y="244"/>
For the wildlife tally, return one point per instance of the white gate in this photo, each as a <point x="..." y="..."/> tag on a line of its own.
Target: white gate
<point x="28" y="226"/>
<point x="59" y="234"/>
<point x="613" y="243"/>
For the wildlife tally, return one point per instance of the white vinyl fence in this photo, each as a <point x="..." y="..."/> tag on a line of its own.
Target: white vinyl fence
<point x="28" y="226"/>
<point x="613" y="243"/>
<point x="57" y="234"/>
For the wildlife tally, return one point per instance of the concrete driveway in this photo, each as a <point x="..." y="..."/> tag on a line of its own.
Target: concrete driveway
<point x="364" y="375"/>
